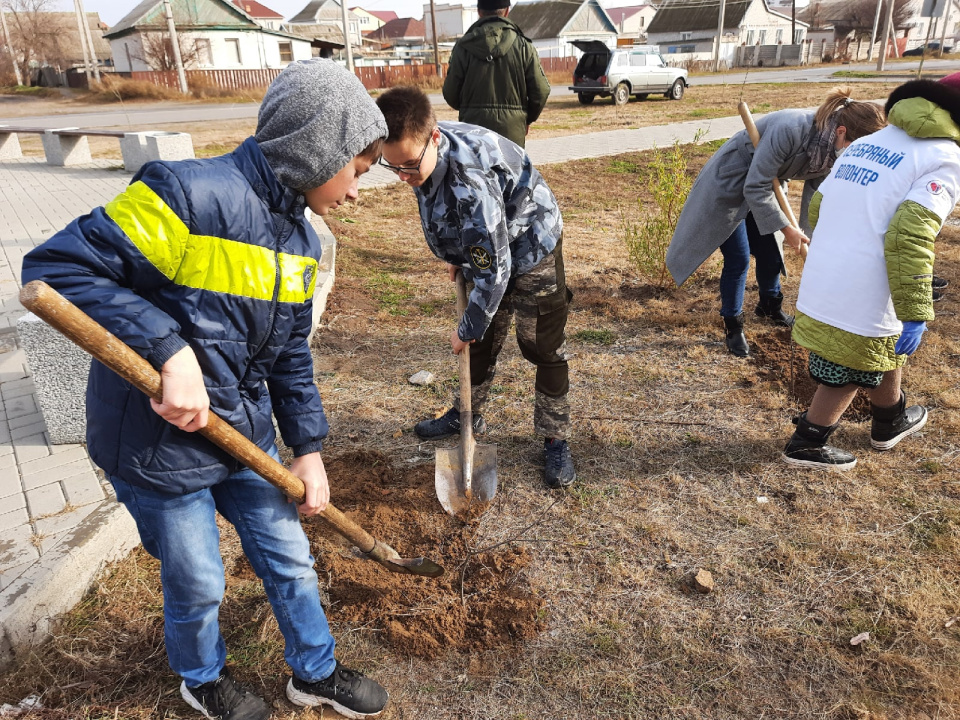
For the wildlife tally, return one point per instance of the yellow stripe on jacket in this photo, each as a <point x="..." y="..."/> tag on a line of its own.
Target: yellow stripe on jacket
<point x="206" y="262"/>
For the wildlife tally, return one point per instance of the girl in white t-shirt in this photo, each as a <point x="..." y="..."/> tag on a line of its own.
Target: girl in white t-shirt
<point x="865" y="295"/>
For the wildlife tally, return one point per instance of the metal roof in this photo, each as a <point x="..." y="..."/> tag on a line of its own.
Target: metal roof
<point x="675" y="16"/>
<point x="187" y="14"/>
<point x="317" y="10"/>
<point x="547" y="19"/>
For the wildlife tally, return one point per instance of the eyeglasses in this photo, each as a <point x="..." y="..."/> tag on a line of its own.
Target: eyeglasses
<point x="409" y="169"/>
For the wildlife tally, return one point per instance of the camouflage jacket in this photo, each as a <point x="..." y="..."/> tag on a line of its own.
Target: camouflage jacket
<point x="486" y="209"/>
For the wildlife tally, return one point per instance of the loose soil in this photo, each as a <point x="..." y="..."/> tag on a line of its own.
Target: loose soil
<point x="483" y="600"/>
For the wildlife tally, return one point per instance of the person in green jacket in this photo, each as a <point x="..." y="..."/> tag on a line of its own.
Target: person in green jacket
<point x="495" y="78"/>
<point x="865" y="295"/>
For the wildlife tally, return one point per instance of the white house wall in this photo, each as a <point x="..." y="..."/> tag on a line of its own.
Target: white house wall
<point x="257" y="51"/>
<point x="759" y="19"/>
<point x="452" y="20"/>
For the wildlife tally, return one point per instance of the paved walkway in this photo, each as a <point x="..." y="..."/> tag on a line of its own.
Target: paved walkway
<point x="59" y="523"/>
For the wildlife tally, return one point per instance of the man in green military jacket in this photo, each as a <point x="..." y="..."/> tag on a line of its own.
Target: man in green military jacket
<point x="495" y="78"/>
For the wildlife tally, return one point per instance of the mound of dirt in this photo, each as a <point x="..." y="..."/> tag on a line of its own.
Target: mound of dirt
<point x="482" y="601"/>
<point x="783" y="363"/>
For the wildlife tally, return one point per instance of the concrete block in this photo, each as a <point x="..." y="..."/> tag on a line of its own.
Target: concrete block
<point x="14" y="518"/>
<point x="83" y="489"/>
<point x="326" y="271"/>
<point x="10" y="488"/>
<point x="56" y="474"/>
<point x="45" y="500"/>
<point x="133" y="147"/>
<point x="60" y="372"/>
<point x="60" y="523"/>
<point x="17" y="547"/>
<point x="9" y="145"/>
<point x="32" y="447"/>
<point x="20" y="406"/>
<point x="65" y="150"/>
<point x="68" y="454"/>
<point x="169" y="146"/>
<point x="10" y="574"/>
<point x="55" y="583"/>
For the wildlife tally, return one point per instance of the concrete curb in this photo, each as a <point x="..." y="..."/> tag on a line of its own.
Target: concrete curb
<point x="61" y="577"/>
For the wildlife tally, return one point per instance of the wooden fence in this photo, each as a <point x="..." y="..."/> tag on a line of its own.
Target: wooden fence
<point x="373" y="78"/>
<point x="226" y="79"/>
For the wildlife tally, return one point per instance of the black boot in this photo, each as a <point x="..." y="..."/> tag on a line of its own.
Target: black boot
<point x="892" y="424"/>
<point x="736" y="340"/>
<point x="447" y="425"/>
<point x="772" y="307"/>
<point x="558" y="470"/>
<point x="808" y="447"/>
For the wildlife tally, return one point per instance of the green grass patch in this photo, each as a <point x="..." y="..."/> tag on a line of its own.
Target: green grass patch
<point x="392" y="293"/>
<point x="596" y="337"/>
<point x="624" y="167"/>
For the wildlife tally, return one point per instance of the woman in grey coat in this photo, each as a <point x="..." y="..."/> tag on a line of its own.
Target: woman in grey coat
<point x="732" y="205"/>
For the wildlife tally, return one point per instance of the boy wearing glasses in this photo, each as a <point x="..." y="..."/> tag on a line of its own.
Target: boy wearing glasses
<point x="487" y="212"/>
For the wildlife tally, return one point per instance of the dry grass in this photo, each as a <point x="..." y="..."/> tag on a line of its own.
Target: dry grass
<point x="827" y="557"/>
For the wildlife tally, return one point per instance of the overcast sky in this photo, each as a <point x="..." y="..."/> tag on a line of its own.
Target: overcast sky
<point x="112" y="10"/>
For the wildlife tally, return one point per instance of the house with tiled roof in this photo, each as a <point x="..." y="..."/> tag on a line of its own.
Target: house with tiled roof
<point x="327" y="12"/>
<point x="370" y="20"/>
<point x="264" y="16"/>
<point x="212" y="34"/>
<point x="690" y="27"/>
<point x="553" y="25"/>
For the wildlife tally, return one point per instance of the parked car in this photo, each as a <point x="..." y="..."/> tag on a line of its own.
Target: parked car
<point x="931" y="48"/>
<point x="637" y="70"/>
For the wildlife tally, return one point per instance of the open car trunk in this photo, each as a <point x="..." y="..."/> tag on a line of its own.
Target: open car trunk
<point x="593" y="63"/>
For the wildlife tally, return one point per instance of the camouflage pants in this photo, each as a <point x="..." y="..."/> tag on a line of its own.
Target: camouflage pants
<point x="540" y="302"/>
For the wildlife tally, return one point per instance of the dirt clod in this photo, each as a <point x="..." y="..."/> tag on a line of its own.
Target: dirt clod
<point x="482" y="601"/>
<point x="701" y="581"/>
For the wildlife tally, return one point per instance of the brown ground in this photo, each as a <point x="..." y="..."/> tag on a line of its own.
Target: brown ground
<point x="578" y="607"/>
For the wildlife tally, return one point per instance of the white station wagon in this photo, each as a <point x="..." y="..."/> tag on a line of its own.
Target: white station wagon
<point x="637" y="70"/>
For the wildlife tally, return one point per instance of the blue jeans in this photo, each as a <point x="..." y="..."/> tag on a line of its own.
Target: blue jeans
<point x="745" y="241"/>
<point x="181" y="532"/>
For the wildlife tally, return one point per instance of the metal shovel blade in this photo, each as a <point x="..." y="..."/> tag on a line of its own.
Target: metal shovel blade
<point x="449" y="479"/>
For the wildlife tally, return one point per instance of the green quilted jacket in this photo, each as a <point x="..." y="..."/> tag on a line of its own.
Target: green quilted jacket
<point x="495" y="79"/>
<point x="908" y="247"/>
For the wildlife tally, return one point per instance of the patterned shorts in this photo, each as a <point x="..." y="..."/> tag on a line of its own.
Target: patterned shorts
<point x="833" y="375"/>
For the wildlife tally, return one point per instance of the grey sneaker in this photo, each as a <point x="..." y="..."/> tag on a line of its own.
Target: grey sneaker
<point x="224" y="699"/>
<point x="346" y="691"/>
<point x="447" y="425"/>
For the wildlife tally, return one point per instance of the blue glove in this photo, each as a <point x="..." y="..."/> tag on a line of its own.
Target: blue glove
<point x="909" y="339"/>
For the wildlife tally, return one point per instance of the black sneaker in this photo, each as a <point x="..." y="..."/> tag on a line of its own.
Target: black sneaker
<point x="937" y="295"/>
<point x="808" y="447"/>
<point x="893" y="424"/>
<point x="346" y="691"/>
<point x="939" y="283"/>
<point x="558" y="470"/>
<point x="447" y="425"/>
<point x="224" y="699"/>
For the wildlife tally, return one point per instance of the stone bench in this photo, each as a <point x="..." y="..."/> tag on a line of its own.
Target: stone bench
<point x="68" y="146"/>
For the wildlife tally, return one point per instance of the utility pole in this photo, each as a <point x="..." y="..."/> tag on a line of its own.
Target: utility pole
<point x="946" y="21"/>
<point x="178" y="61"/>
<point x="793" y="22"/>
<point x="89" y="36"/>
<point x="436" y="44"/>
<point x="346" y="35"/>
<point x="716" y="57"/>
<point x="873" y="34"/>
<point x="6" y="39"/>
<point x="83" y="42"/>
<point x="926" y="39"/>
<point x="887" y="28"/>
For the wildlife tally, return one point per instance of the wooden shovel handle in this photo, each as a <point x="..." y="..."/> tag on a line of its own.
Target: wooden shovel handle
<point x="467" y="442"/>
<point x="51" y="306"/>
<point x="754" y="135"/>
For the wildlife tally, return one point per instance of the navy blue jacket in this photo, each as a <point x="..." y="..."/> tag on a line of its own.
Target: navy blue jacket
<point x="212" y="253"/>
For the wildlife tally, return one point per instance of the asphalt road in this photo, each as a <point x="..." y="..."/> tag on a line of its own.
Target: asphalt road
<point x="169" y="113"/>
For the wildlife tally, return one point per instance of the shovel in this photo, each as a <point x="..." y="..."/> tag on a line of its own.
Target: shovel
<point x="60" y="313"/>
<point x="754" y="136"/>
<point x="468" y="472"/>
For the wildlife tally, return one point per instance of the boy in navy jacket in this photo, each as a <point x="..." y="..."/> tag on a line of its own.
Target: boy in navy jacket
<point x="207" y="268"/>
